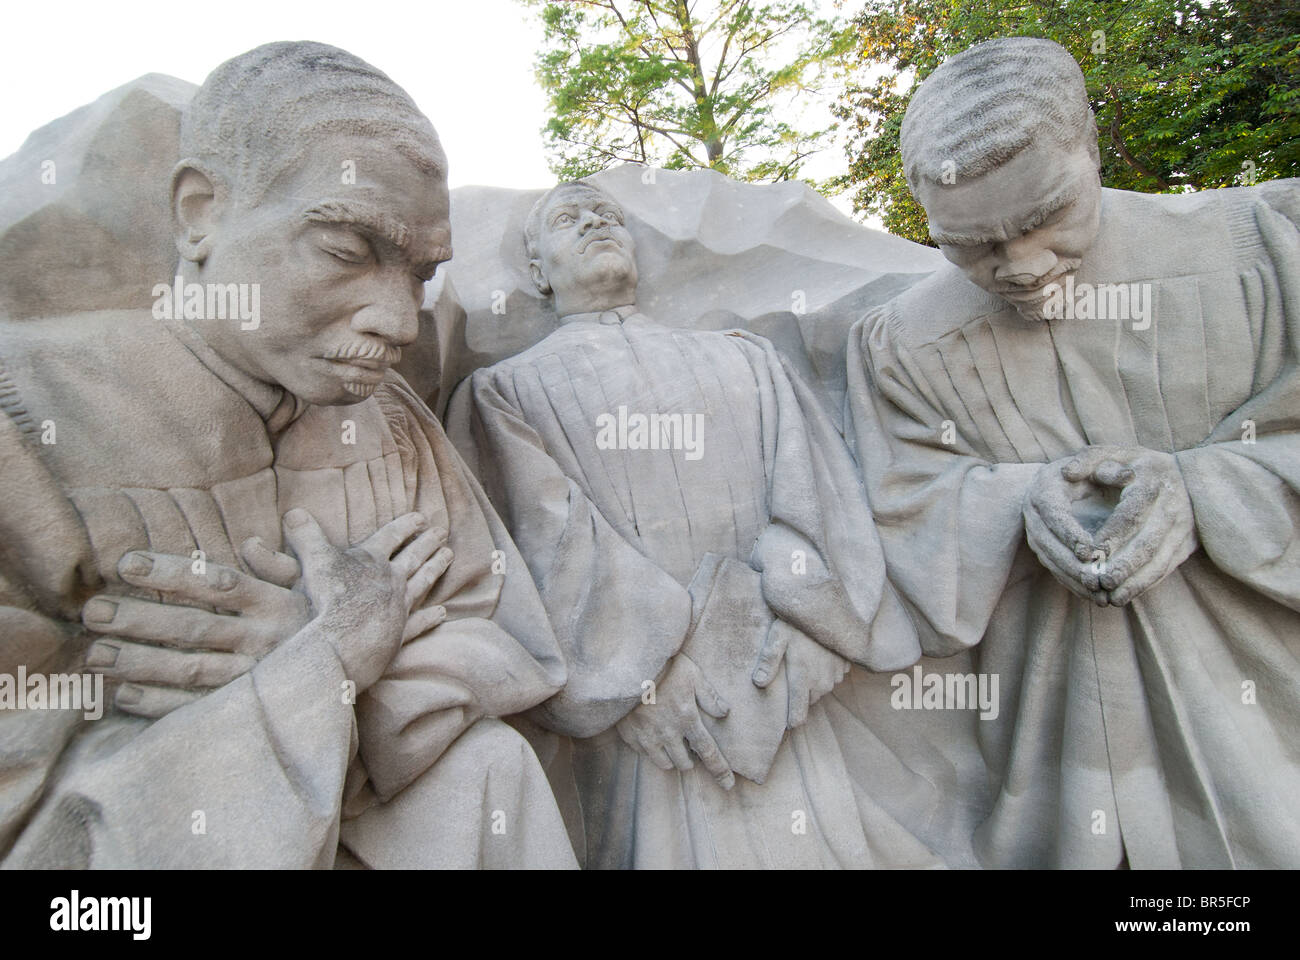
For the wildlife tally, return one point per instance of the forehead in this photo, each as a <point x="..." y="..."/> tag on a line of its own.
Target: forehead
<point x="579" y="197"/>
<point x="370" y="169"/>
<point x="1008" y="200"/>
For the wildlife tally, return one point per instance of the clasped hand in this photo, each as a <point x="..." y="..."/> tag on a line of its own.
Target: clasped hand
<point x="1150" y="532"/>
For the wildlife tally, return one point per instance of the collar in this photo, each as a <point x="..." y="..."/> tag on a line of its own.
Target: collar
<point x="616" y="315"/>
<point x="277" y="406"/>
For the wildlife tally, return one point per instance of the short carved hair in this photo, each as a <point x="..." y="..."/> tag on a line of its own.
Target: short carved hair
<point x="986" y="104"/>
<point x="262" y="112"/>
<point x="533" y="223"/>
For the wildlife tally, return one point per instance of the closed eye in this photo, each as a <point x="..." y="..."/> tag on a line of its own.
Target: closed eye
<point x="347" y="247"/>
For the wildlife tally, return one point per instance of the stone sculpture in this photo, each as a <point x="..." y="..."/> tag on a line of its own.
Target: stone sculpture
<point x="149" y="458"/>
<point x="702" y="544"/>
<point x="1079" y="441"/>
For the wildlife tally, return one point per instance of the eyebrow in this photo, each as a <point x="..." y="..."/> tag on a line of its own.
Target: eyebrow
<point x="373" y="221"/>
<point x="572" y="206"/>
<point x="377" y="223"/>
<point x="1062" y="199"/>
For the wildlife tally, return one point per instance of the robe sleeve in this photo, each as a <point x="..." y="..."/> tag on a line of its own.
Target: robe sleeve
<point x="249" y="776"/>
<point x="1246" y="495"/>
<point x="949" y="519"/>
<point x="618" y="617"/>
<point x="823" y="570"/>
<point x="495" y="654"/>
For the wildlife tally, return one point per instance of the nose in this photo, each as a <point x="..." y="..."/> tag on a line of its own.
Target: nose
<point x="1023" y="260"/>
<point x="590" y="219"/>
<point x="392" y="313"/>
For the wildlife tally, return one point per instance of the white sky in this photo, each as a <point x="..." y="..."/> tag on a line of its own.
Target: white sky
<point x="467" y="63"/>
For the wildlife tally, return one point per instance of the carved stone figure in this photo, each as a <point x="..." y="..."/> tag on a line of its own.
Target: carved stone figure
<point x="150" y="457"/>
<point x="1080" y="444"/>
<point x="706" y="554"/>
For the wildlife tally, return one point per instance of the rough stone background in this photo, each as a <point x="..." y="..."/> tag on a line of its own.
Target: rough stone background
<point x="712" y="253"/>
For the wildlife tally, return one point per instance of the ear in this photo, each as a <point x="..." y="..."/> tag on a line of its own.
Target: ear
<point x="539" y="279"/>
<point x="197" y="200"/>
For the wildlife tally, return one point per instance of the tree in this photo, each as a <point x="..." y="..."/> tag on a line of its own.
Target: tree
<point x="1188" y="95"/>
<point x="682" y="85"/>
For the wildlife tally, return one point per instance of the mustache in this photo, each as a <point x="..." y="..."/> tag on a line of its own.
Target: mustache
<point x="375" y="350"/>
<point x="600" y="233"/>
<point x="1034" y="286"/>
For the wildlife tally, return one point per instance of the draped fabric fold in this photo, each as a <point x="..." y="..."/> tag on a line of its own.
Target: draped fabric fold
<point x="752" y="517"/>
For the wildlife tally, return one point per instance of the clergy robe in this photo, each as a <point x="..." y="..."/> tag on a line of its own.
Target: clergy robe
<point x="161" y="445"/>
<point x="1167" y="729"/>
<point x="639" y="553"/>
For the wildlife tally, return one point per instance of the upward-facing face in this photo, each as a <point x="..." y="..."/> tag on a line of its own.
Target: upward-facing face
<point x="341" y="268"/>
<point x="585" y="254"/>
<point x="1022" y="226"/>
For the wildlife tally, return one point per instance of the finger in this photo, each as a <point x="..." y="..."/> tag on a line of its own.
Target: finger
<point x="1081" y="577"/>
<point x="383" y="543"/>
<point x="270" y="565"/>
<point x="1137" y="553"/>
<point x="797" y="706"/>
<point x="1112" y="473"/>
<point x="422" y="621"/>
<point x="217" y="586"/>
<point x="1084" y="464"/>
<point x="417" y="552"/>
<point x="655" y="753"/>
<point x="1124" y="521"/>
<point x="708" y="699"/>
<point x="769" y="659"/>
<point x="422" y="581"/>
<point x="1051" y="502"/>
<point x="1076" y="469"/>
<point x="153" y="702"/>
<point x="679" y="755"/>
<point x="1164" y="561"/>
<point x="140" y="663"/>
<point x="306" y="539"/>
<point x="627" y="733"/>
<point x="706" y="749"/>
<point x="187" y="627"/>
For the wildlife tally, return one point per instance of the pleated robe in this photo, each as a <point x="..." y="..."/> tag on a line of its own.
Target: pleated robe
<point x="160" y="445"/>
<point x="1167" y="730"/>
<point x="642" y="553"/>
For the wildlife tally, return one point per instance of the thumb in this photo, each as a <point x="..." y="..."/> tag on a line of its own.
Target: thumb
<point x="305" y="537"/>
<point x="269" y="565"/>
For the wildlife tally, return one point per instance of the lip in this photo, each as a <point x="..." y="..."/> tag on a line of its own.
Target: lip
<point x="1025" y="294"/>
<point x="365" y="370"/>
<point x="603" y="237"/>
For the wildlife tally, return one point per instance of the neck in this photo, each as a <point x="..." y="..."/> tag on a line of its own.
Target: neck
<point x="625" y="308"/>
<point x="585" y="301"/>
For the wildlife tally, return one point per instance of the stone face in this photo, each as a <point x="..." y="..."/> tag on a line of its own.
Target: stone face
<point x="84" y="204"/>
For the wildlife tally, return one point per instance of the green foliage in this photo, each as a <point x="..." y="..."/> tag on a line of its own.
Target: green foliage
<point x="682" y="85"/>
<point x="1188" y="95"/>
